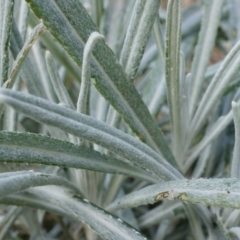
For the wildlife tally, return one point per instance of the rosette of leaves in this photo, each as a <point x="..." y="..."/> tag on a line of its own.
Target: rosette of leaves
<point x="117" y="119"/>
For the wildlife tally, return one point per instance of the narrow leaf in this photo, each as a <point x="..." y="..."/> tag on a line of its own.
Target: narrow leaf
<point x="159" y="96"/>
<point x="33" y="148"/>
<point x="173" y="39"/>
<point x="58" y="85"/>
<point x="138" y="32"/>
<point x="23" y="53"/>
<point x="62" y="19"/>
<point x="191" y="20"/>
<point x="56" y="49"/>
<point x="28" y="72"/>
<point x="222" y="192"/>
<point x="224" y="75"/>
<point x="6" y="16"/>
<point x="13" y="182"/>
<point x="63" y="203"/>
<point x="159" y="38"/>
<point x="194" y="222"/>
<point x="235" y="168"/>
<point x="206" y="41"/>
<point x="88" y="128"/>
<point x="86" y="73"/>
<point x="162" y="212"/>
<point x="211" y="134"/>
<point x="8" y="221"/>
<point x="97" y="11"/>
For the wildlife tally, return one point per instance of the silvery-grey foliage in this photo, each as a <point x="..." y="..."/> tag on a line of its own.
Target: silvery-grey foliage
<point x="107" y="107"/>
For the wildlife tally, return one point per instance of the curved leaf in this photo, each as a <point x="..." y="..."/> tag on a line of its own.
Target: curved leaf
<point x="33" y="148"/>
<point x="13" y="182"/>
<point x="86" y="72"/>
<point x="91" y="130"/>
<point x="62" y="203"/>
<point x="28" y="71"/>
<point x="222" y="192"/>
<point x="23" y="53"/>
<point x="71" y="25"/>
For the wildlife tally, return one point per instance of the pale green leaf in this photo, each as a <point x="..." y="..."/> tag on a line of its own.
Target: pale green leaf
<point x="191" y="20"/>
<point x="23" y="53"/>
<point x="56" y="49"/>
<point x="62" y="19"/>
<point x="86" y="72"/>
<point x="221" y="192"/>
<point x="13" y="182"/>
<point x="235" y="168"/>
<point x="8" y="220"/>
<point x="33" y="148"/>
<point x="159" y="38"/>
<point x="97" y="11"/>
<point x="206" y="41"/>
<point x="232" y="218"/>
<point x="194" y="222"/>
<point x="28" y="72"/>
<point x="139" y="29"/>
<point x="224" y="75"/>
<point x="210" y="135"/>
<point x="88" y="128"/>
<point x="235" y="232"/>
<point x="63" y="203"/>
<point x="172" y="65"/>
<point x="6" y="16"/>
<point x="164" y="211"/>
<point x="159" y="95"/>
<point x="117" y="14"/>
<point x="57" y="83"/>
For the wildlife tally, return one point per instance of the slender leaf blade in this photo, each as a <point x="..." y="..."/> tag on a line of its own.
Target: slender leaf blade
<point x="235" y="168"/>
<point x="13" y="182"/>
<point x="91" y="130"/>
<point x="66" y="204"/>
<point x="57" y="83"/>
<point x="23" y="53"/>
<point x="165" y="211"/>
<point x="27" y="71"/>
<point x="8" y="220"/>
<point x="173" y="39"/>
<point x="139" y="30"/>
<point x="206" y="41"/>
<point x="224" y="75"/>
<point x="62" y="19"/>
<point x="6" y="16"/>
<point x="222" y="192"/>
<point x="210" y="135"/>
<point x="33" y="148"/>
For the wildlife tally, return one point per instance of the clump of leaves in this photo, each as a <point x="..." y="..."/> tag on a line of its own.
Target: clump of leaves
<point x="108" y="107"/>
